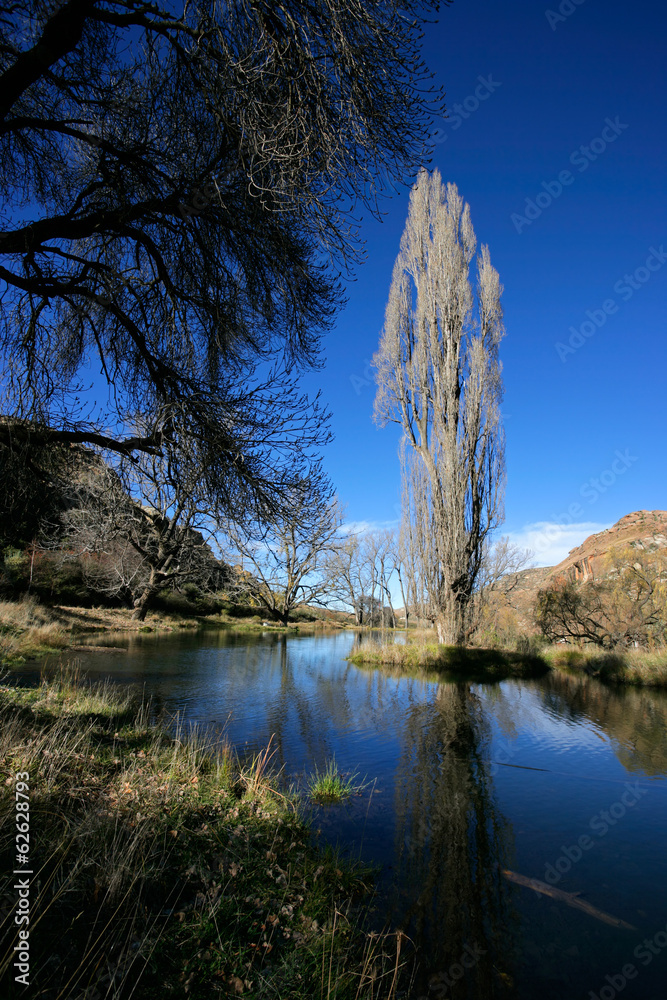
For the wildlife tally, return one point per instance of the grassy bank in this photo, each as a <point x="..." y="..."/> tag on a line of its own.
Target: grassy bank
<point x="638" y="667"/>
<point x="468" y="662"/>
<point x="29" y="629"/>
<point x="163" y="867"/>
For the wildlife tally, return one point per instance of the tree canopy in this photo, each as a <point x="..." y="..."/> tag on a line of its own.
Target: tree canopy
<point x="179" y="184"/>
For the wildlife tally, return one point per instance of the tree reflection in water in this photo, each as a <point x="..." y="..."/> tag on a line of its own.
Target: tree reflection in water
<point x="451" y="844"/>
<point x="634" y="719"/>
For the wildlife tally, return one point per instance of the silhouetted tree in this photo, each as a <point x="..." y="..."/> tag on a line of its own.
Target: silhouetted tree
<point x="288" y="559"/>
<point x="176" y="182"/>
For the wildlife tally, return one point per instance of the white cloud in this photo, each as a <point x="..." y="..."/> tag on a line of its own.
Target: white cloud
<point x="551" y="542"/>
<point x="363" y="527"/>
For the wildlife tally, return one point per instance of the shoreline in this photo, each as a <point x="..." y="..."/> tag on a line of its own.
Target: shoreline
<point x="30" y="630"/>
<point x="188" y="867"/>
<point x="635" y="667"/>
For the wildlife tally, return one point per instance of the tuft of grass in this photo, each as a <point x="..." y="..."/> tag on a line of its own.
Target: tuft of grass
<point x="330" y="785"/>
<point x="162" y="866"/>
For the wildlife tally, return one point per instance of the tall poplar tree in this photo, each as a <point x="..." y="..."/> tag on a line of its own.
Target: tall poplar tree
<point x="439" y="376"/>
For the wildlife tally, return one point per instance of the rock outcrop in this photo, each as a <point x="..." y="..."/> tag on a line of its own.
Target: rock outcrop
<point x="643" y="529"/>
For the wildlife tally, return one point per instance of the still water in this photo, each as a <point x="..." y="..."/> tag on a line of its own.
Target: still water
<point x="558" y="779"/>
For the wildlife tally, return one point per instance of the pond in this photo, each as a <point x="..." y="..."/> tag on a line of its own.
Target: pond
<point x="472" y="790"/>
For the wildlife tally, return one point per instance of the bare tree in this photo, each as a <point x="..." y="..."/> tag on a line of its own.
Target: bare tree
<point x="288" y="560"/>
<point x="173" y="181"/>
<point x="439" y="376"/>
<point x="359" y="572"/>
<point x="138" y="530"/>
<point x="417" y="535"/>
<point x="627" y="607"/>
<point x="401" y="568"/>
<point x="378" y="547"/>
<point x="348" y="574"/>
<point x="406" y="567"/>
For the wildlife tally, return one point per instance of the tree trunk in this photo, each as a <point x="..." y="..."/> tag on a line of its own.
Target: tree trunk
<point x="450" y="622"/>
<point x="142" y="602"/>
<point x="141" y="606"/>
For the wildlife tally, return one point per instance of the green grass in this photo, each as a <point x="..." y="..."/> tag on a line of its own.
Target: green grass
<point x="330" y="785"/>
<point x="166" y="867"/>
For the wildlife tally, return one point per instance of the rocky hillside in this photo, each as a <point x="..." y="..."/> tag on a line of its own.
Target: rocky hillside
<point x="642" y="529"/>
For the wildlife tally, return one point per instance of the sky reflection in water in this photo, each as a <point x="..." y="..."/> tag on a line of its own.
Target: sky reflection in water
<point x="559" y="779"/>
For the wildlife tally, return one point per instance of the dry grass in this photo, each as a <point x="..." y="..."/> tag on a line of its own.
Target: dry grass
<point x="21" y="615"/>
<point x="470" y="662"/>
<point x="28" y="630"/>
<point x="637" y="667"/>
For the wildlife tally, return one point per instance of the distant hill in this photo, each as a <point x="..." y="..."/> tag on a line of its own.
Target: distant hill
<point x="643" y="529"/>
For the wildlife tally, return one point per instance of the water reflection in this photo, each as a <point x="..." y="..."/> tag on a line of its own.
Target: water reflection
<point x="441" y="820"/>
<point x="451" y="843"/>
<point x="294" y="712"/>
<point x="634" y="719"/>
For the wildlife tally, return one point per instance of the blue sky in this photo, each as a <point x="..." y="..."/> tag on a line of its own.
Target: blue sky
<point x="584" y="422"/>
